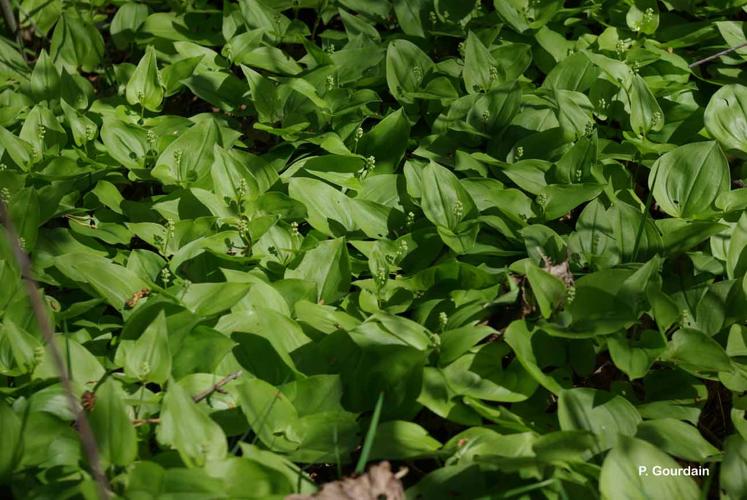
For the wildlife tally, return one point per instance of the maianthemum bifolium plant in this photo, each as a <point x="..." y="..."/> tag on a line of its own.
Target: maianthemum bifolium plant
<point x="516" y="229"/>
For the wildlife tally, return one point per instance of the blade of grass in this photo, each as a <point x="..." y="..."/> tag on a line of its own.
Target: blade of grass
<point x="370" y="435"/>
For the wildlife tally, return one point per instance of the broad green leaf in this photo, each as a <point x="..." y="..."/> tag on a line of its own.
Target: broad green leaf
<point x="696" y="352"/>
<point x="76" y="41"/>
<point x="445" y="201"/>
<point x="328" y="266"/>
<point x="724" y="117"/>
<point x="610" y="417"/>
<point x="523" y="341"/>
<point x="548" y="290"/>
<point x="127" y="22"/>
<point x="270" y="59"/>
<point x="645" y="113"/>
<point x="402" y="440"/>
<point x="45" y="79"/>
<point x="635" y="356"/>
<point x="628" y="472"/>
<point x="185" y="427"/>
<point x="110" y="422"/>
<point x="387" y="142"/>
<point x="687" y="180"/>
<point x="187" y="161"/>
<point x="149" y="358"/>
<point x="208" y="299"/>
<point x="677" y="438"/>
<point x="407" y="67"/>
<point x="480" y="72"/>
<point x="270" y="414"/>
<point x="12" y="450"/>
<point x="326" y="205"/>
<point x="144" y="87"/>
<point x="493" y="110"/>
<point x="110" y="281"/>
<point x="124" y="142"/>
<point x="736" y="256"/>
<point x="20" y="352"/>
<point x="643" y="16"/>
<point x="734" y="467"/>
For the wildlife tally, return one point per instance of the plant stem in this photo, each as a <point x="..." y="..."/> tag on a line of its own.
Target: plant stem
<point x="207" y="392"/>
<point x="717" y="55"/>
<point x="40" y="315"/>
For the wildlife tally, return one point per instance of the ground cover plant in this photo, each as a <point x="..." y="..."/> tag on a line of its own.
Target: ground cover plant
<point x="499" y="245"/>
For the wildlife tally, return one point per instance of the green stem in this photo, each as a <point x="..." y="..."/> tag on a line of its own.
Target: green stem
<point x="370" y="436"/>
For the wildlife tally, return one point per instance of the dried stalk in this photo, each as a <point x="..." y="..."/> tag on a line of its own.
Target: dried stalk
<point x="717" y="55"/>
<point x="143" y="421"/>
<point x="40" y="314"/>
<point x="216" y="386"/>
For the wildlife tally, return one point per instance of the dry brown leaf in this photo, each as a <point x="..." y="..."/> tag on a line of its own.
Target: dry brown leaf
<point x="379" y="483"/>
<point x="562" y="270"/>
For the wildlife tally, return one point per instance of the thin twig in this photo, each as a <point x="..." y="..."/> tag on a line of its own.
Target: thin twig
<point x="40" y="314"/>
<point x="216" y="386"/>
<point x="137" y="422"/>
<point x="717" y="55"/>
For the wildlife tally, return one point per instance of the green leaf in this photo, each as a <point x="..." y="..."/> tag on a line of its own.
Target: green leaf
<point x="407" y="67"/>
<point x="110" y="422"/>
<point x="635" y="356"/>
<point x="208" y="299"/>
<point x="677" y="438"/>
<point x="19" y="350"/>
<point x="76" y="42"/>
<point x="402" y="440"/>
<point x="723" y="117"/>
<point x="526" y="344"/>
<point x="185" y="427"/>
<point x="687" y="180"/>
<point x="127" y="22"/>
<point x="612" y="418"/>
<point x="480" y="72"/>
<point x="149" y="358"/>
<point x="187" y="161"/>
<point x="643" y="16"/>
<point x="445" y="201"/>
<point x="734" y="467"/>
<point x="112" y="282"/>
<point x="324" y="203"/>
<point x="387" y="142"/>
<point x="548" y="290"/>
<point x="698" y="353"/>
<point x="645" y="113"/>
<point x="328" y="266"/>
<point x="410" y="15"/>
<point x="271" y="59"/>
<point x="736" y="256"/>
<point x="12" y="450"/>
<point x="144" y="87"/>
<point x="628" y="472"/>
<point x="45" y="79"/>
<point x="125" y="143"/>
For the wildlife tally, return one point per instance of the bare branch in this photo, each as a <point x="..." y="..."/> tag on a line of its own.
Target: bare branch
<point x="717" y="55"/>
<point x="45" y="325"/>
<point x="142" y="421"/>
<point x="216" y="387"/>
